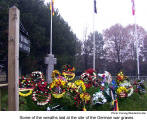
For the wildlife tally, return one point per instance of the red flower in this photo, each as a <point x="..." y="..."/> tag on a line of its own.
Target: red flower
<point x="75" y="98"/>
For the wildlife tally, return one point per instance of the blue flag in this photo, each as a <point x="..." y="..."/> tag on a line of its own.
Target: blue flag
<point x="95" y="10"/>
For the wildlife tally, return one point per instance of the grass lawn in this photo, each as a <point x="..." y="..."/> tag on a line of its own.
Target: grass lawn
<point x="134" y="103"/>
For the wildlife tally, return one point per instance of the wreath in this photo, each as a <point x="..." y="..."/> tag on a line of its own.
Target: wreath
<point x="85" y="97"/>
<point x="36" y="76"/>
<point x="68" y="72"/>
<point x="55" y="74"/>
<point x="26" y="86"/>
<point x="25" y="92"/>
<point x="89" y="76"/>
<point x="41" y="93"/>
<point x="99" y="98"/>
<point x="128" y="86"/>
<point x="58" y="88"/>
<point x="68" y="75"/>
<point x="120" y="77"/>
<point x="139" y="86"/>
<point x="71" y="87"/>
<point x="122" y="92"/>
<point x="68" y="68"/>
<point x="80" y="86"/>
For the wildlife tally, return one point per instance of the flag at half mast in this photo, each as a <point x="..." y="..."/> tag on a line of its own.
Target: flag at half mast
<point x="95" y="10"/>
<point x="133" y="7"/>
<point x="52" y="6"/>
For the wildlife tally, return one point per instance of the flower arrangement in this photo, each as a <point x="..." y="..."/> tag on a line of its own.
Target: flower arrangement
<point x="80" y="86"/>
<point x="25" y="92"/>
<point x="55" y="74"/>
<point x="76" y="91"/>
<point x="99" y="98"/>
<point x="120" y="77"/>
<point x="36" y="76"/>
<point x="85" y="97"/>
<point x="68" y="72"/>
<point x="68" y="68"/>
<point x="71" y="87"/>
<point x="128" y="86"/>
<point x="58" y="88"/>
<point x="68" y="75"/>
<point x="25" y="86"/>
<point x="122" y="92"/>
<point x="139" y="86"/>
<point x="25" y="82"/>
<point x="41" y="93"/>
<point x="89" y="76"/>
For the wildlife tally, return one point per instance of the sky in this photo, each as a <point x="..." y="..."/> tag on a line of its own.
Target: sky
<point x="81" y="18"/>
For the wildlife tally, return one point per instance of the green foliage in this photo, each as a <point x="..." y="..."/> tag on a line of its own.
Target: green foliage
<point x="35" y="17"/>
<point x="4" y="98"/>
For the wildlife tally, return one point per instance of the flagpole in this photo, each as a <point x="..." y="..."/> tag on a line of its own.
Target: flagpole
<point x="137" y="50"/>
<point x="93" y="42"/>
<point x="51" y="29"/>
<point x="94" y="4"/>
<point x="137" y="42"/>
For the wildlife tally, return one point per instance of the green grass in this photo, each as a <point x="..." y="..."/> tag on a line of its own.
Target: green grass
<point x="134" y="103"/>
<point x="4" y="98"/>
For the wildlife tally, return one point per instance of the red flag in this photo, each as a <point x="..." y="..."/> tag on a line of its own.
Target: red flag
<point x="133" y="7"/>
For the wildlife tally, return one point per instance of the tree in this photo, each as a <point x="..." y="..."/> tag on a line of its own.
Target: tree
<point x="35" y="17"/>
<point x="139" y="36"/>
<point x="117" y="44"/>
<point x="120" y="44"/>
<point x="88" y="50"/>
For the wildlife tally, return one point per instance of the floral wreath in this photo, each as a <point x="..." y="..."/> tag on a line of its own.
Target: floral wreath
<point x="80" y="86"/>
<point x="68" y="75"/>
<point x="107" y="77"/>
<point x="68" y="68"/>
<point x="68" y="72"/>
<point x="99" y="98"/>
<point x="120" y="77"/>
<point x="89" y="76"/>
<point x="57" y="88"/>
<point x="25" y="92"/>
<point x="85" y="97"/>
<point x="26" y="86"/>
<point x="25" y="83"/>
<point x="139" y="86"/>
<point x="41" y="93"/>
<point x="55" y="74"/>
<point x="71" y="87"/>
<point x="42" y="101"/>
<point x="36" y="76"/>
<point x="128" y="86"/>
<point x="122" y="92"/>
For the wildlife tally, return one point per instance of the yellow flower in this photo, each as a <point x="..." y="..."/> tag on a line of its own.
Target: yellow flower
<point x="69" y="75"/>
<point x="57" y="82"/>
<point x="55" y="95"/>
<point x="85" y="97"/>
<point x="84" y="108"/>
<point x="55" y="73"/>
<point x="79" y="84"/>
<point x="71" y="85"/>
<point x="25" y="94"/>
<point x="121" y="89"/>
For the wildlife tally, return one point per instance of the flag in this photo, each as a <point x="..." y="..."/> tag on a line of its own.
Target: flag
<point x="95" y="10"/>
<point x="52" y="6"/>
<point x="133" y="7"/>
